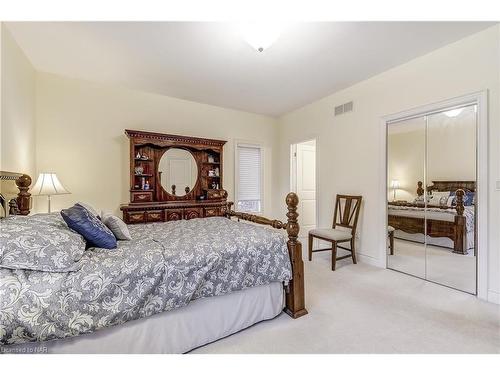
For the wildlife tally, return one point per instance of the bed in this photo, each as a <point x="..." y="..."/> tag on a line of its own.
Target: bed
<point x="175" y="286"/>
<point x="447" y="226"/>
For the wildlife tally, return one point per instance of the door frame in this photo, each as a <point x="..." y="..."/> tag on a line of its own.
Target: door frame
<point x="316" y="162"/>
<point x="480" y="98"/>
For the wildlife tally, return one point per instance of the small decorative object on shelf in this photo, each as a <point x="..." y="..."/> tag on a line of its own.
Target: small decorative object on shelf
<point x="214" y="185"/>
<point x="146" y="185"/>
<point x="217" y="172"/>
<point x="138" y="170"/>
<point x="211" y="159"/>
<point x="138" y="156"/>
<point x="144" y="157"/>
<point x="211" y="173"/>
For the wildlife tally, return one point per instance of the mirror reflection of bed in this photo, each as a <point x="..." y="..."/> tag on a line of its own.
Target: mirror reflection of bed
<point x="431" y="197"/>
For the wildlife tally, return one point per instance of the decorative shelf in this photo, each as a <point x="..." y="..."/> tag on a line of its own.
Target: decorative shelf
<point x="143" y="175"/>
<point x="140" y="190"/>
<point x="144" y="160"/>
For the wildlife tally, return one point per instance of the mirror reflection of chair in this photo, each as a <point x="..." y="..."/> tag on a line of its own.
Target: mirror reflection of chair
<point x="345" y="221"/>
<point x="390" y="234"/>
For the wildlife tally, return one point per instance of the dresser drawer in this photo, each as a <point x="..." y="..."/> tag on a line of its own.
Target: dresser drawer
<point x="142" y="196"/>
<point x="154" y="216"/>
<point x="211" y="211"/>
<point x="193" y="213"/>
<point x="135" y="217"/>
<point x="173" y="214"/>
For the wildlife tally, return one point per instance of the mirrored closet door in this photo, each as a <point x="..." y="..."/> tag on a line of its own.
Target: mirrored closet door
<point x="431" y="169"/>
<point x="405" y="168"/>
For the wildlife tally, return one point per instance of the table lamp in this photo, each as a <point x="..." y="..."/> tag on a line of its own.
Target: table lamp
<point x="394" y="186"/>
<point x="48" y="184"/>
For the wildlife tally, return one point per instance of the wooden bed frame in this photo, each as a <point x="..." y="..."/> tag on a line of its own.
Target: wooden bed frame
<point x="295" y="294"/>
<point x="455" y="230"/>
<point x="21" y="204"/>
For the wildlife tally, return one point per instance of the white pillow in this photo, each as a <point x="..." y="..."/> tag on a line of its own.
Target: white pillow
<point x="89" y="208"/>
<point x="450" y="200"/>
<point x="117" y="226"/>
<point x="439" y="198"/>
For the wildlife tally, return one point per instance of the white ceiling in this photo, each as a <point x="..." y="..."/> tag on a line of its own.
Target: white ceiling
<point x="210" y="63"/>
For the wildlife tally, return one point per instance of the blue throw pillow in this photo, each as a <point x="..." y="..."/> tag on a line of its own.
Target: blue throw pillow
<point x="90" y="227"/>
<point x="469" y="198"/>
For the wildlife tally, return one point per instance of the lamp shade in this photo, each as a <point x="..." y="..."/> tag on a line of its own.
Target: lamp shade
<point x="48" y="184"/>
<point x="395" y="184"/>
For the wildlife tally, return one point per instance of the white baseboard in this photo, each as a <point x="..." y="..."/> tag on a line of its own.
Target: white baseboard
<point x="370" y="260"/>
<point x="494" y="297"/>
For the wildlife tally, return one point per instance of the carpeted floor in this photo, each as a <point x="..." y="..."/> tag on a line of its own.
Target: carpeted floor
<point x="434" y="263"/>
<point x="364" y="309"/>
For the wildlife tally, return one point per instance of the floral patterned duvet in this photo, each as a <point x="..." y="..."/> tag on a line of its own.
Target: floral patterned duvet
<point x="164" y="267"/>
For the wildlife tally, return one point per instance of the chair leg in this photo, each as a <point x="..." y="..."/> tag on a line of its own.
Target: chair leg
<point x="310" y="247"/>
<point x="391" y="242"/>
<point x="353" y="251"/>
<point x="334" y="255"/>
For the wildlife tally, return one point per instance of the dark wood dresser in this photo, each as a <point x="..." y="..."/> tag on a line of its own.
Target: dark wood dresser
<point x="174" y="177"/>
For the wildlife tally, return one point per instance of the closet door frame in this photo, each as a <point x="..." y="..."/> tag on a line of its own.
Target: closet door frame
<point x="480" y="99"/>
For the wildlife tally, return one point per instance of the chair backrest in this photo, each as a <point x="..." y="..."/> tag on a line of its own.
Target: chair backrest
<point x="347" y="211"/>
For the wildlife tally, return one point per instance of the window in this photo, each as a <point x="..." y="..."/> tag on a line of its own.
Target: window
<point x="248" y="178"/>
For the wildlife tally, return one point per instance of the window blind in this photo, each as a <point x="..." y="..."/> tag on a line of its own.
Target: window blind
<point x="249" y="178"/>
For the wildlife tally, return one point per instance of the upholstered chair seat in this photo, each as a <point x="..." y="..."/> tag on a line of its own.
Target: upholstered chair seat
<point x="331" y="234"/>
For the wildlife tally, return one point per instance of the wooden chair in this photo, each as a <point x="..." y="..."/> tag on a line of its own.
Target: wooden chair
<point x="390" y="233"/>
<point x="345" y="220"/>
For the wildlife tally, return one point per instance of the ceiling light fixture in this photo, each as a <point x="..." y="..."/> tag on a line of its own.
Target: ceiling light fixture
<point x="260" y="35"/>
<point x="454" y="112"/>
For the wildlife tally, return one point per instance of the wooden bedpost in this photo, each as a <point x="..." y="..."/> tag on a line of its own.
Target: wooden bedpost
<point x="23" y="198"/>
<point x="295" y="295"/>
<point x="460" y="245"/>
<point x="21" y="204"/>
<point x="420" y="189"/>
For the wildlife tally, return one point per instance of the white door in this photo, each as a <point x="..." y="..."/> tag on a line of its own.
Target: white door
<point x="306" y="185"/>
<point x="180" y="174"/>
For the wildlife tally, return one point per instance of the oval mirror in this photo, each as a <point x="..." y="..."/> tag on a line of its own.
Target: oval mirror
<point x="178" y="171"/>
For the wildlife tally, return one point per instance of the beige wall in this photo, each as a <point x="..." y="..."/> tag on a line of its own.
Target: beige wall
<point x="406" y="158"/>
<point x="349" y="146"/>
<point x="17" y="131"/>
<point x="80" y="136"/>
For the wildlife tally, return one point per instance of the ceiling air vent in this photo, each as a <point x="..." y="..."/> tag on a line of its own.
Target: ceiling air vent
<point x="343" y="108"/>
